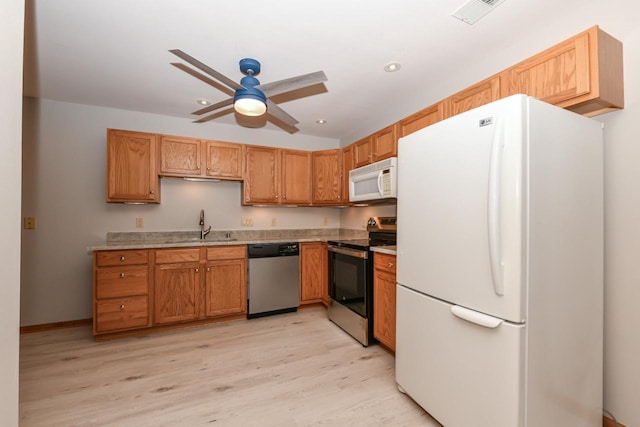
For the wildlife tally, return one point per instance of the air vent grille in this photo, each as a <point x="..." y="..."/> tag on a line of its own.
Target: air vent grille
<point x="471" y="11"/>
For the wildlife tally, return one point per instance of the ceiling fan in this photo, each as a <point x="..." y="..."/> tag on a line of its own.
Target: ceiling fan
<point x="249" y="97"/>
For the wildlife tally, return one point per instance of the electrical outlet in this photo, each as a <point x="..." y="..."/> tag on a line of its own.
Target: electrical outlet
<point x="139" y="222"/>
<point x="273" y="222"/>
<point x="247" y="222"/>
<point x="29" y="223"/>
<point x="364" y="221"/>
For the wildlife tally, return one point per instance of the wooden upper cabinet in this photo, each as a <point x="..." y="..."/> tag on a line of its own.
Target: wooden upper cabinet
<point x="347" y="166"/>
<point x="379" y="146"/>
<point x="261" y="177"/>
<point x="131" y="167"/>
<point x="327" y="173"/>
<point x="474" y="96"/>
<point x="295" y="177"/>
<point x="180" y="156"/>
<point x="421" y="119"/>
<point x="384" y="143"/>
<point x="224" y="160"/>
<point x="190" y="157"/>
<point x="276" y="176"/>
<point x="362" y="152"/>
<point x="583" y="74"/>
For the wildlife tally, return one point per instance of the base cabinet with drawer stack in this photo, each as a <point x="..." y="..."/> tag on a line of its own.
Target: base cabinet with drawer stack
<point x="120" y="290"/>
<point x="384" y="299"/>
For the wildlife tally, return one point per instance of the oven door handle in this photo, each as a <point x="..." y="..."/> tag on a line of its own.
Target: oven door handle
<point x="349" y="252"/>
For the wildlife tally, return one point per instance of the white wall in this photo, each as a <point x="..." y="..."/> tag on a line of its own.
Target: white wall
<point x="64" y="188"/>
<point x="11" y="30"/>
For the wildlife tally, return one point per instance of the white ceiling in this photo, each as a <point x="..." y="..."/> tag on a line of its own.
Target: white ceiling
<point x="114" y="53"/>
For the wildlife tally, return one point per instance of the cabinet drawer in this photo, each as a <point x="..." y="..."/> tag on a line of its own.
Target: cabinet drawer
<point x="121" y="313"/>
<point x="226" y="252"/>
<point x="164" y="256"/>
<point x="112" y="282"/>
<point x="384" y="262"/>
<point x="128" y="257"/>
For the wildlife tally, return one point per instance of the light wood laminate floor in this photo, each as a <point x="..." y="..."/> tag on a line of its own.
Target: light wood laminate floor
<point x="296" y="369"/>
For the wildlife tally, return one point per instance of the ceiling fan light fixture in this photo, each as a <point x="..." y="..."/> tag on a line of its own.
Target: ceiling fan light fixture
<point x="250" y="101"/>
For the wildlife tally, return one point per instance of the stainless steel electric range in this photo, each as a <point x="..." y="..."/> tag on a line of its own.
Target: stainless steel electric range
<point x="351" y="278"/>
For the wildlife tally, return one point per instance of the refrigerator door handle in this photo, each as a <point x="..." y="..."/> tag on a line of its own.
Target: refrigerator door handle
<point x="493" y="209"/>
<point x="475" y="317"/>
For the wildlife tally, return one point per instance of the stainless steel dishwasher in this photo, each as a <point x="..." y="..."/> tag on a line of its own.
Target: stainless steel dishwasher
<point x="273" y="278"/>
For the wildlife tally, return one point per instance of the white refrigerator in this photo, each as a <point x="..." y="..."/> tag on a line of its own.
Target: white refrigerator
<point x="500" y="267"/>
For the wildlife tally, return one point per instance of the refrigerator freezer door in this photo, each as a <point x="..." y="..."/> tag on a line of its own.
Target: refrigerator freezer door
<point x="462" y="373"/>
<point x="461" y="198"/>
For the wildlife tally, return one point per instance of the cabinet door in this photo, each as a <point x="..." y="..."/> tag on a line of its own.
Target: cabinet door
<point x="327" y="183"/>
<point x="347" y="166"/>
<point x="474" y="96"/>
<point x="362" y="152"/>
<point x="295" y="177"/>
<point x="131" y="167"/>
<point x="421" y="119"/>
<point x="384" y="143"/>
<point x="261" y="175"/>
<point x="180" y="156"/>
<point x="384" y="300"/>
<point x="314" y="277"/>
<point x="223" y="160"/>
<point x="225" y="287"/>
<point x="177" y="289"/>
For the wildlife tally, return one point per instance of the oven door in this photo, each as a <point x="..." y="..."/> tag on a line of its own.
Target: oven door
<point x="348" y="275"/>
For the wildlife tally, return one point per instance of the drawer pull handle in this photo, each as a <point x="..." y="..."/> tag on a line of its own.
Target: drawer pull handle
<point x="122" y="258"/>
<point x="122" y="275"/>
<point x="121" y="307"/>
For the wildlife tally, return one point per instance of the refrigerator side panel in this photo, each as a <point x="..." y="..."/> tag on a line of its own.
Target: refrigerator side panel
<point x="565" y="271"/>
<point x="461" y="373"/>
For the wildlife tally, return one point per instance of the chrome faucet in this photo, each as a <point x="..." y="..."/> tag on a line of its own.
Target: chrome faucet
<point x="203" y="231"/>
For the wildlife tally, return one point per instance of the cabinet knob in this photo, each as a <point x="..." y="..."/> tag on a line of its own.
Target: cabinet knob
<point x="390" y="264"/>
<point x="276" y="196"/>
<point x="121" y="307"/>
<point x="121" y="275"/>
<point x="151" y="192"/>
<point x="208" y="269"/>
<point x="284" y="197"/>
<point x="122" y="258"/>
<point x="197" y="270"/>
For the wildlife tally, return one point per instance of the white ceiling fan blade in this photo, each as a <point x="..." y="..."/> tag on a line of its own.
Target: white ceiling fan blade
<point x="191" y="60"/>
<point x="203" y="78"/>
<point x="280" y="114"/>
<point x="292" y="83"/>
<point x="213" y="107"/>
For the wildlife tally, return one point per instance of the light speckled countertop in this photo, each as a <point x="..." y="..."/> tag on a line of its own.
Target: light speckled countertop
<point x="390" y="250"/>
<point x="177" y="239"/>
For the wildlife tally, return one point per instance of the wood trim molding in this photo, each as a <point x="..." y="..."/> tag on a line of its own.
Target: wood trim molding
<point x="53" y="326"/>
<point x="608" y="422"/>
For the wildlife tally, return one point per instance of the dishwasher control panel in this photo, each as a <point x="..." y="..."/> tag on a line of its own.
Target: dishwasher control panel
<point x="273" y="250"/>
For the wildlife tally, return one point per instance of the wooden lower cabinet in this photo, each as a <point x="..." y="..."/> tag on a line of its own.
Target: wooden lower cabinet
<point x="120" y="291"/>
<point x="157" y="289"/>
<point x="226" y="281"/>
<point x="384" y="299"/>
<point x="314" y="284"/>
<point x="177" y="292"/>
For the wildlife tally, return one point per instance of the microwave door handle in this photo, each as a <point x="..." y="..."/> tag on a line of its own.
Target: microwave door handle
<point x="380" y="183"/>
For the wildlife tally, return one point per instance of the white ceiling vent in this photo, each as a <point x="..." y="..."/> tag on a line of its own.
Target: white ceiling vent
<point x="473" y="10"/>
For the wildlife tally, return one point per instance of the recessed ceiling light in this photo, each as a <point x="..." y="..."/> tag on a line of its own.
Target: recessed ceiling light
<point x="392" y="66"/>
<point x="321" y="121"/>
<point x="204" y="102"/>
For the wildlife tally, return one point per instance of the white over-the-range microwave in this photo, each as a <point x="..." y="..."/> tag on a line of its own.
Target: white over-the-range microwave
<point x="376" y="182"/>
